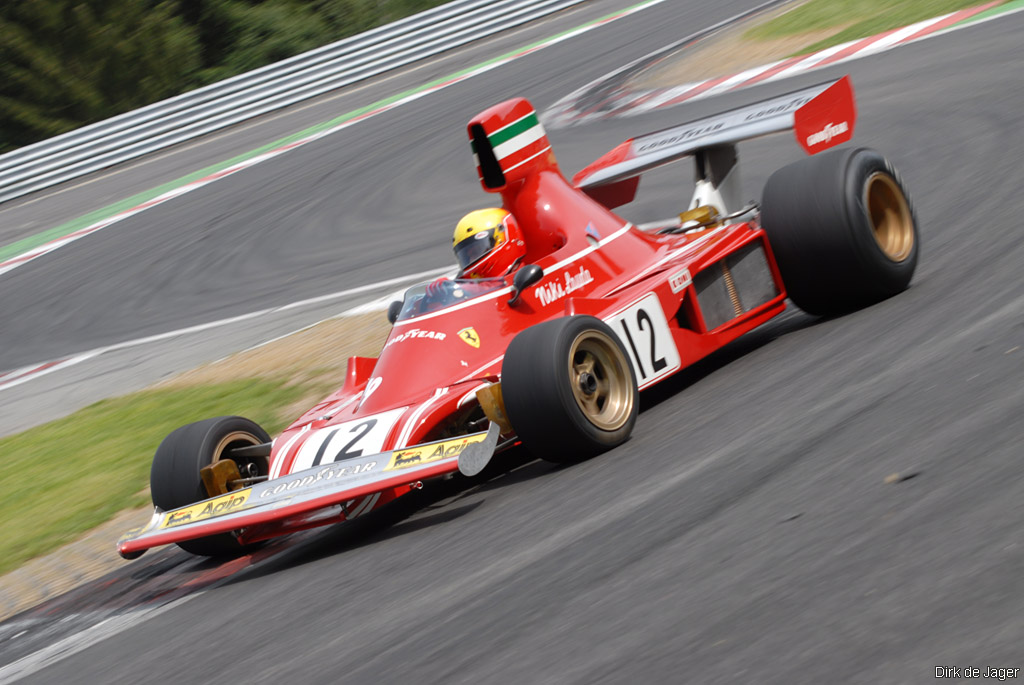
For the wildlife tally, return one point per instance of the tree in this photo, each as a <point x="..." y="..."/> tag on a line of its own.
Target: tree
<point x="65" y="63"/>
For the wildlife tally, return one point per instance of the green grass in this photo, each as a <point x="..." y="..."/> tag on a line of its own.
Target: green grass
<point x="868" y="17"/>
<point x="66" y="477"/>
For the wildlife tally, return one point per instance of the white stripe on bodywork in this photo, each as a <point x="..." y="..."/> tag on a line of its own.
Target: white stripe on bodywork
<point x="481" y="369"/>
<point x="414" y="418"/>
<point x="528" y="159"/>
<point x="275" y="471"/>
<point x="471" y="395"/>
<point x="503" y="291"/>
<point x="514" y="145"/>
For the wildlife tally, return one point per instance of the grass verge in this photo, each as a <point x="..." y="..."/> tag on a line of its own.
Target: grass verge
<point x="852" y="19"/>
<point x="70" y="475"/>
<point x="76" y="473"/>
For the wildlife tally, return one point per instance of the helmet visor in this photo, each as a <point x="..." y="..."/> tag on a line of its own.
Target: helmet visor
<point x="477" y="246"/>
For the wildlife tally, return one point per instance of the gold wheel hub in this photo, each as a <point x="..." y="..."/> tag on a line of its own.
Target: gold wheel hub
<point x="600" y="378"/>
<point x="892" y="224"/>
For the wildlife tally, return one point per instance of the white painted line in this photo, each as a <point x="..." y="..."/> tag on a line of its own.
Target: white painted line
<point x="810" y="62"/>
<point x="26" y="374"/>
<point x="75" y="643"/>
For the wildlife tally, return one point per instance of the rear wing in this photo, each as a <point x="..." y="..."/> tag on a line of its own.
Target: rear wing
<point x="821" y="116"/>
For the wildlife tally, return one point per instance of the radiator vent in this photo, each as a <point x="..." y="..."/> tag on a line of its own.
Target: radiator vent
<point x="735" y="285"/>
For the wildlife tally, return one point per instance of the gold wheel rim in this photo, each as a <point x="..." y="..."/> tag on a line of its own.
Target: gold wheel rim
<point x="600" y="380"/>
<point x="892" y="223"/>
<point x="233" y="439"/>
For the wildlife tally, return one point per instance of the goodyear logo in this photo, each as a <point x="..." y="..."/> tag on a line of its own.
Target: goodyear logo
<point x="224" y="504"/>
<point x="470" y="337"/>
<point x="324" y="474"/>
<point x="425" y="454"/>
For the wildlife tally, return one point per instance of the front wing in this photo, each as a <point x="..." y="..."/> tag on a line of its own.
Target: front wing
<point x="312" y="489"/>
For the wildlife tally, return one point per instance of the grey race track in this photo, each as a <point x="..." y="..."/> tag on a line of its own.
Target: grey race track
<point x="747" y="531"/>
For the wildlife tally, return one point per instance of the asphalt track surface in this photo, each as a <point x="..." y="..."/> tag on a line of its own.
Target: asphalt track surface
<point x="747" y="531"/>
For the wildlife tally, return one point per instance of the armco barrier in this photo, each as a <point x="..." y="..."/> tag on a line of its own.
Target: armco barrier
<point x="204" y="110"/>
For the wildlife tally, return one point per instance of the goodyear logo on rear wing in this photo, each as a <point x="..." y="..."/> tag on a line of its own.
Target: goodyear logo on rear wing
<point x="225" y="504"/>
<point x="425" y="454"/>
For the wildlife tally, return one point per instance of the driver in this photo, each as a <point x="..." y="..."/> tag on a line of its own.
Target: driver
<point x="488" y="243"/>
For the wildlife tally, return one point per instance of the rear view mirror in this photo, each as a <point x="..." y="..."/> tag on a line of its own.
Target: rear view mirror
<point x="393" y="311"/>
<point x="524" y="278"/>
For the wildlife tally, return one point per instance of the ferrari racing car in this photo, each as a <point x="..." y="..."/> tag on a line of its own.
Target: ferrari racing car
<point x="552" y="355"/>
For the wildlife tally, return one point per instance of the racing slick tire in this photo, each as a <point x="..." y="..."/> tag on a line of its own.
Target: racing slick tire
<point x="569" y="389"/>
<point x="174" y="479"/>
<point x="842" y="228"/>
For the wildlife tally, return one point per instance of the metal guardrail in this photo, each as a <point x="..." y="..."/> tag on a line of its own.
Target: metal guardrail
<point x="219" y="105"/>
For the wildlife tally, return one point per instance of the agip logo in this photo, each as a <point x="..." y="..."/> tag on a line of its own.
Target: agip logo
<point x="469" y="336"/>
<point x="218" y="506"/>
<point x="435" y="451"/>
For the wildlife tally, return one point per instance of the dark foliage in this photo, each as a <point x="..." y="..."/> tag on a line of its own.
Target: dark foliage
<point x="67" y="63"/>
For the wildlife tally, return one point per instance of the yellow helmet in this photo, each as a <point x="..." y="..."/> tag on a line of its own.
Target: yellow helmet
<point x="488" y="242"/>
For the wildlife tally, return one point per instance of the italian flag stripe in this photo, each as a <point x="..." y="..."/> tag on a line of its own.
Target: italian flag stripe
<point x="523" y="140"/>
<point x="507" y="133"/>
<point x="524" y="154"/>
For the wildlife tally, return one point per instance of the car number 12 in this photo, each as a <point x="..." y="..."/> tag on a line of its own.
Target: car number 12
<point x="644" y="333"/>
<point x="347" y="440"/>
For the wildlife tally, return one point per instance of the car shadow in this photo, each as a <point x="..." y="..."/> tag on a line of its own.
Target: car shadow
<point x="443" y="501"/>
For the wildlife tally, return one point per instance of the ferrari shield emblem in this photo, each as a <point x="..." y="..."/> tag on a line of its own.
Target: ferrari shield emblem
<point x="470" y="337"/>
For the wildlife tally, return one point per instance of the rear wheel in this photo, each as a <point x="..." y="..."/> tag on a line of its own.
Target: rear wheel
<point x="842" y="228"/>
<point x="174" y="479"/>
<point x="569" y="389"/>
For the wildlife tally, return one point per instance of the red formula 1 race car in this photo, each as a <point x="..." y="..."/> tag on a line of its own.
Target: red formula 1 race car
<point x="553" y="354"/>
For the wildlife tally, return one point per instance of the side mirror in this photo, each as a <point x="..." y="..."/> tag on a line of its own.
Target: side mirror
<point x="393" y="311"/>
<point x="524" y="278"/>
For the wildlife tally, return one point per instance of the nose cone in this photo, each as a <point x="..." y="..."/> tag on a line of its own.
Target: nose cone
<point x="418" y="360"/>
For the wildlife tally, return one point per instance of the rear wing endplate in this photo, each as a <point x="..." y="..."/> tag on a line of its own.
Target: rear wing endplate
<point x="821" y="116"/>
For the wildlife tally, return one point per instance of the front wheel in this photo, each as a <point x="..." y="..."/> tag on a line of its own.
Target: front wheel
<point x="569" y="389"/>
<point x="174" y="479"/>
<point x="842" y="228"/>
